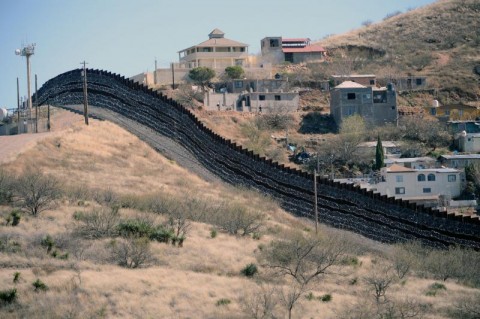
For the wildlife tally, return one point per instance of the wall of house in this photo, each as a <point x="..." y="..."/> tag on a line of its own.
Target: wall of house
<point x="301" y="57"/>
<point x="415" y="188"/>
<point x="469" y="143"/>
<point x="221" y="101"/>
<point x="349" y="101"/>
<point x="363" y="80"/>
<point x="288" y="102"/>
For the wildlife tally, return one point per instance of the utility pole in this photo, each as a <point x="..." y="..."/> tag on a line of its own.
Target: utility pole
<point x="155" y="73"/>
<point x="18" y="105"/>
<point x="36" y="106"/>
<point x="85" y="96"/>
<point x="316" y="201"/>
<point x="173" y="76"/>
<point x="48" y="117"/>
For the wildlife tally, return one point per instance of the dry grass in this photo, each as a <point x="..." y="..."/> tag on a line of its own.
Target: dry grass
<point x="438" y="40"/>
<point x="183" y="282"/>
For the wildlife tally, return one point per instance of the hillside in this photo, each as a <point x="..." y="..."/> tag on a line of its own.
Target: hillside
<point x="439" y="41"/>
<point x="102" y="166"/>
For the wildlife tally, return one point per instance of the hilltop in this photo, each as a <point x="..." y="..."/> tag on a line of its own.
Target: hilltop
<point x="439" y="41"/>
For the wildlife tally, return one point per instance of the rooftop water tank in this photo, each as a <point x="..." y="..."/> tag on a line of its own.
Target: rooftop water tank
<point x="3" y="114"/>
<point x="435" y="103"/>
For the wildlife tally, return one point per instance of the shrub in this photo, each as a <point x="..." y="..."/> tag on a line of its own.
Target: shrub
<point x="161" y="234"/>
<point x="6" y="182"/>
<point x="434" y="288"/>
<point x="131" y="252"/>
<point x="39" y="285"/>
<point x="326" y="298"/>
<point x="48" y="243"/>
<point x="98" y="223"/>
<point x="250" y="270"/>
<point x="213" y="233"/>
<point x="16" y="277"/>
<point x="136" y="228"/>
<point x="8" y="296"/>
<point x="223" y="302"/>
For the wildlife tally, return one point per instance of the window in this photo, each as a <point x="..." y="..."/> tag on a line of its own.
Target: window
<point x="261" y="97"/>
<point x="399" y="178"/>
<point x="421" y="178"/>
<point x="278" y="98"/>
<point x="399" y="190"/>
<point x="238" y="84"/>
<point x="427" y="190"/>
<point x="372" y="82"/>
<point x="431" y="177"/>
<point x="418" y="81"/>
<point x="367" y="96"/>
<point x="350" y="96"/>
<point x="433" y="111"/>
<point x="274" y="43"/>
<point x="452" y="178"/>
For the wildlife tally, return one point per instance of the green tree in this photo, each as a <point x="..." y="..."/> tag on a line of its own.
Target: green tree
<point x="201" y="76"/>
<point x="379" y="155"/>
<point x="234" y="72"/>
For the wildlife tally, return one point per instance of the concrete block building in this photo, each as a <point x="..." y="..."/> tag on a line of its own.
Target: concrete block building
<point x="377" y="106"/>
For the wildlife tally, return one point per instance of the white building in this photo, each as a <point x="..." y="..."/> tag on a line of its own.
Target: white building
<point x="419" y="185"/>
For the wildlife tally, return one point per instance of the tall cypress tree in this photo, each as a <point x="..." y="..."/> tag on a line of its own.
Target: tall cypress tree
<point x="379" y="155"/>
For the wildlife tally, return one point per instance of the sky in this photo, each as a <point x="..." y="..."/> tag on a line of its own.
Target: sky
<point x="125" y="36"/>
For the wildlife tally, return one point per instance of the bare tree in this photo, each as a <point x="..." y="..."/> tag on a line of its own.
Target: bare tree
<point x="260" y="303"/>
<point x="98" y="223"/>
<point x="237" y="219"/>
<point x="303" y="259"/>
<point x="132" y="252"/>
<point x="467" y="307"/>
<point x="379" y="280"/>
<point x="36" y="192"/>
<point x="290" y="296"/>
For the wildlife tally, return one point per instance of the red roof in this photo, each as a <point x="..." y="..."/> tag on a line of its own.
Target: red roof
<point x="307" y="49"/>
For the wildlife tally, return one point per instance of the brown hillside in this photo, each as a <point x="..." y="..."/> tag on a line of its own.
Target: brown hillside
<point x="439" y="41"/>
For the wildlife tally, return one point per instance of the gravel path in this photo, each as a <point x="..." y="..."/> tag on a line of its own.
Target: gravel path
<point x="12" y="145"/>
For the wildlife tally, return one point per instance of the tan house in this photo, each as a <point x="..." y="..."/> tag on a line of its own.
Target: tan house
<point x="217" y="52"/>
<point x="277" y="50"/>
<point x="363" y="79"/>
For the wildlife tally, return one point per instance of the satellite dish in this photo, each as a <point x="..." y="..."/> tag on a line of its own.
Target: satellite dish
<point x="463" y="133"/>
<point x="17" y="51"/>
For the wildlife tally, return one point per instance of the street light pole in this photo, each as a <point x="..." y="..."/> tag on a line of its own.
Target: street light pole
<point x="36" y="106"/>
<point x="27" y="51"/>
<point x="85" y="96"/>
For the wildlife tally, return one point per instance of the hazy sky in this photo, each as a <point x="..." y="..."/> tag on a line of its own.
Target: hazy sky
<point x="125" y="36"/>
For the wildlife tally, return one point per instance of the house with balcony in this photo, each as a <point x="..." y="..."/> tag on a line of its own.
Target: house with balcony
<point x="426" y="186"/>
<point x="217" y="52"/>
<point x="277" y="50"/>
<point x="377" y="106"/>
